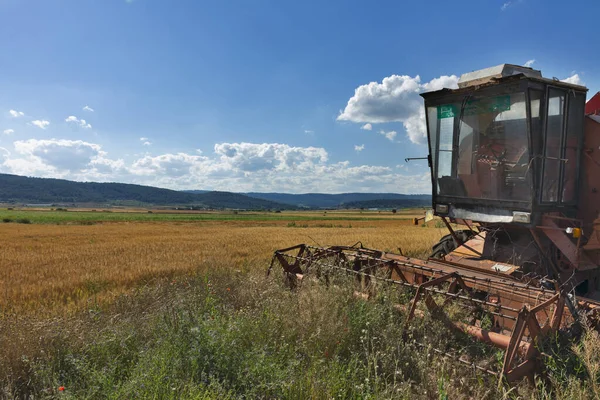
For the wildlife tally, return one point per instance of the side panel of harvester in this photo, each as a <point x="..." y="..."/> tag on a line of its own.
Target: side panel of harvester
<point x="589" y="210"/>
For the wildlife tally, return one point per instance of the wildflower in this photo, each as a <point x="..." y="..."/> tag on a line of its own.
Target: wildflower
<point x="228" y="289"/>
<point x="61" y="388"/>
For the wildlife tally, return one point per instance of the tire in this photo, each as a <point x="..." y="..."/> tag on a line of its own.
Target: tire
<point x="446" y="244"/>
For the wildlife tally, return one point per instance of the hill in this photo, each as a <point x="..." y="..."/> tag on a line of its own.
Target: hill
<point x="21" y="189"/>
<point x="344" y="200"/>
<point x="388" y="203"/>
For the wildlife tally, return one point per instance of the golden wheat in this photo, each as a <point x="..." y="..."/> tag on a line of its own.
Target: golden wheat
<point x="50" y="266"/>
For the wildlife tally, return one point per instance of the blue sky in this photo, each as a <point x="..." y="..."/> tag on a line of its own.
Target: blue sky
<point x="257" y="95"/>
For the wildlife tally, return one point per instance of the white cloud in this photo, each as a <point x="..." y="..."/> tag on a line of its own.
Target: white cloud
<point x="268" y="156"/>
<point x="529" y="63"/>
<point x="59" y="153"/>
<point x="146" y="143"/>
<point x="168" y="165"/>
<point x="88" y="108"/>
<point x="509" y="4"/>
<point x="574" y="79"/>
<point x="143" y="139"/>
<point x="235" y="167"/>
<point x="367" y="127"/>
<point x="4" y="154"/>
<point x="395" y="99"/>
<point x="8" y="131"/>
<point x="59" y="158"/>
<point x="16" y="114"/>
<point x="309" y="132"/>
<point x="358" y="148"/>
<point x="391" y="135"/>
<point x="43" y="124"/>
<point x="81" y="122"/>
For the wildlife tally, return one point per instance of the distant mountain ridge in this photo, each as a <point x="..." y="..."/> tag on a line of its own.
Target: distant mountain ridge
<point x="21" y="189"/>
<point x="344" y="200"/>
<point x="388" y="204"/>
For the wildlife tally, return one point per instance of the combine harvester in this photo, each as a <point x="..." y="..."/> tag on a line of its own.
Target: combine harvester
<point x="515" y="159"/>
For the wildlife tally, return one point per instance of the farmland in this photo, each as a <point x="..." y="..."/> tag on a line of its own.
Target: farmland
<point x="177" y="305"/>
<point x="87" y="216"/>
<point x="60" y="259"/>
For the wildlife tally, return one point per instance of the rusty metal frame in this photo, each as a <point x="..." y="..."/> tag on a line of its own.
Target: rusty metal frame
<point x="516" y="307"/>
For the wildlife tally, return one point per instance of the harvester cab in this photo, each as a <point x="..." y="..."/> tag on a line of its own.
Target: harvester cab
<point x="515" y="170"/>
<point x="506" y="153"/>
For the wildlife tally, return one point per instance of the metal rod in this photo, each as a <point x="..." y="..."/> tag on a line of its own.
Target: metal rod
<point x="455" y="358"/>
<point x="513" y="285"/>
<point x="431" y="289"/>
<point x="415" y="158"/>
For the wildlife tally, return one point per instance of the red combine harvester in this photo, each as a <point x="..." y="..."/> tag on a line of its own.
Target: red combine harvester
<point x="515" y="160"/>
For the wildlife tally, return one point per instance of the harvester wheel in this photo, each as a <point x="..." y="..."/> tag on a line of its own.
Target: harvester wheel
<point x="446" y="245"/>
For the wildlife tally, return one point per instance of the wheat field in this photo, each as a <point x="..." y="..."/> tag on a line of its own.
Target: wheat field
<point x="63" y="266"/>
<point x="182" y="309"/>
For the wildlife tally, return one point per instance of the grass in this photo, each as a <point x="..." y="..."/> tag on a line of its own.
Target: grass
<point x="184" y="310"/>
<point x="88" y="216"/>
<point x="221" y="333"/>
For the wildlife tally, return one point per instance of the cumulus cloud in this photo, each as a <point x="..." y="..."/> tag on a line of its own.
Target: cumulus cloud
<point x="16" y="114"/>
<point x="268" y="156"/>
<point x="309" y="131"/>
<point x="147" y="143"/>
<point x="358" y="148"/>
<point x="235" y="167"/>
<point x="395" y="99"/>
<point x="8" y="131"/>
<point x="367" y="127"/>
<point x="529" y="63"/>
<point x="270" y="167"/>
<point x="60" y="158"/>
<point x="88" y="108"/>
<point x="143" y="139"/>
<point x="169" y="165"/>
<point x="391" y="135"/>
<point x="59" y="153"/>
<point x="43" y="124"/>
<point x="81" y="122"/>
<point x="574" y="79"/>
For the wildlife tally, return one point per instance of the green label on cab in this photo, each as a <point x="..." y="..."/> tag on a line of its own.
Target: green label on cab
<point x="475" y="107"/>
